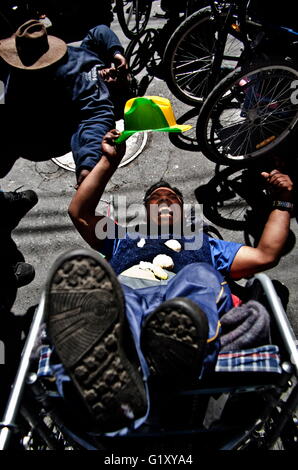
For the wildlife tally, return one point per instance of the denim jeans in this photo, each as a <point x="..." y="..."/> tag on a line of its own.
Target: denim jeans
<point x="198" y="282"/>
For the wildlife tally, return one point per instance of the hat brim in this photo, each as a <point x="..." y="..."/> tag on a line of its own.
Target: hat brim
<point x="126" y="134"/>
<point x="8" y="52"/>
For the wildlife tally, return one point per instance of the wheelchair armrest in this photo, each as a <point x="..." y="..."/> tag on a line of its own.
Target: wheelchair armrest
<point x="281" y="319"/>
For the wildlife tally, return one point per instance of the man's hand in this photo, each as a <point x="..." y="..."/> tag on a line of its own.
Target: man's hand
<point x="121" y="63"/>
<point x="280" y="185"/>
<point x="116" y="76"/>
<point x="109" y="75"/>
<point x="112" y="151"/>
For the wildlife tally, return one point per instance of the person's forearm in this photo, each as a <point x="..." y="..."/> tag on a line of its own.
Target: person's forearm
<point x="276" y="230"/>
<point x="84" y="202"/>
<point x="92" y="188"/>
<point x="83" y="205"/>
<point x="248" y="260"/>
<point x="266" y="255"/>
<point x="275" y="235"/>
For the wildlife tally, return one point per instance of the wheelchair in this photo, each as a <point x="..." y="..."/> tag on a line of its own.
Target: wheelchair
<point x="240" y="406"/>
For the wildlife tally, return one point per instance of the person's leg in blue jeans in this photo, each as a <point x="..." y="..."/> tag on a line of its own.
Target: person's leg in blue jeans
<point x="200" y="284"/>
<point x="138" y="303"/>
<point x="206" y="287"/>
<point x="86" y="323"/>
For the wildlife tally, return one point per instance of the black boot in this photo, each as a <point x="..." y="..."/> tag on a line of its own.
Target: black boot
<point x="174" y="338"/>
<point x="14" y="206"/>
<point x="88" y="328"/>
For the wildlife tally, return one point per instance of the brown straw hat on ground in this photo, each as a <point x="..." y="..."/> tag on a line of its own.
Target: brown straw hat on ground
<point x="31" y="48"/>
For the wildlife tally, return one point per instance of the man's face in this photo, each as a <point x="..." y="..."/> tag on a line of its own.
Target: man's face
<point x="164" y="207"/>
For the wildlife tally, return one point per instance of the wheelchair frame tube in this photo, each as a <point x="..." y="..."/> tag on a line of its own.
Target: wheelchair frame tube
<point x="281" y="318"/>
<point x="19" y="383"/>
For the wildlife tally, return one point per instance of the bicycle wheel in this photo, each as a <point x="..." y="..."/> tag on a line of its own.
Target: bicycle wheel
<point x="190" y="53"/>
<point x="133" y="16"/>
<point x="249" y="113"/>
<point x="141" y="52"/>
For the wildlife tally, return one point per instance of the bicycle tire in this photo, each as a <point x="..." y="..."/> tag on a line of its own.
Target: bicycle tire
<point x="131" y="19"/>
<point x="249" y="112"/>
<point x="189" y="55"/>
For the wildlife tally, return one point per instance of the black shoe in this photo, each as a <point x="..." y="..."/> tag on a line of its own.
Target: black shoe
<point x="15" y="205"/>
<point x="173" y="340"/>
<point x="85" y="304"/>
<point x="24" y="273"/>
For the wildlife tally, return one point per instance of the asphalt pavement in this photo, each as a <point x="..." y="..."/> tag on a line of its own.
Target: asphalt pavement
<point x="47" y="231"/>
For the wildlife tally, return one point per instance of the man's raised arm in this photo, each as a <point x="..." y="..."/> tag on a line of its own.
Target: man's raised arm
<point x="83" y="204"/>
<point x="248" y="260"/>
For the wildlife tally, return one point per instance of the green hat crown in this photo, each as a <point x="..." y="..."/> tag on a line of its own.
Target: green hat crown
<point x="149" y="113"/>
<point x="145" y="114"/>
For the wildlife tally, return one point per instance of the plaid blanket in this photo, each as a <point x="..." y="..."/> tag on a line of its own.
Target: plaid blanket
<point x="262" y="359"/>
<point x="44" y="366"/>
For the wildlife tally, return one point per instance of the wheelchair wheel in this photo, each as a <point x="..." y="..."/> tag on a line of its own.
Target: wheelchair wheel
<point x="231" y="198"/>
<point x="45" y="430"/>
<point x="141" y="52"/>
<point x="35" y="441"/>
<point x="190" y="53"/>
<point x="133" y="16"/>
<point x="249" y="113"/>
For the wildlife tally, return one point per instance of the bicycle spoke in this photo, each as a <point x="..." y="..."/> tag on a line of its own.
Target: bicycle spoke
<point x="239" y="134"/>
<point x="193" y="61"/>
<point x="267" y="113"/>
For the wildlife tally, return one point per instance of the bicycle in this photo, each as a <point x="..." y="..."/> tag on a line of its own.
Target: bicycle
<point x="146" y="50"/>
<point x="205" y="47"/>
<point x="133" y="16"/>
<point x="208" y="45"/>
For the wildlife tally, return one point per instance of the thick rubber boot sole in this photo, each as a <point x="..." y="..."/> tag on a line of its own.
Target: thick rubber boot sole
<point x="86" y="321"/>
<point x="174" y="338"/>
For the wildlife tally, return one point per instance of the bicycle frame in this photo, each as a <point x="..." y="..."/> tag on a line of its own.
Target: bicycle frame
<point x="235" y="18"/>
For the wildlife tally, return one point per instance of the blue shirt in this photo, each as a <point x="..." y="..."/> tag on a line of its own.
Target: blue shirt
<point x="222" y="253"/>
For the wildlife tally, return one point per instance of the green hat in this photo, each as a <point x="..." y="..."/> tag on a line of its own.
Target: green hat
<point x="149" y="113"/>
